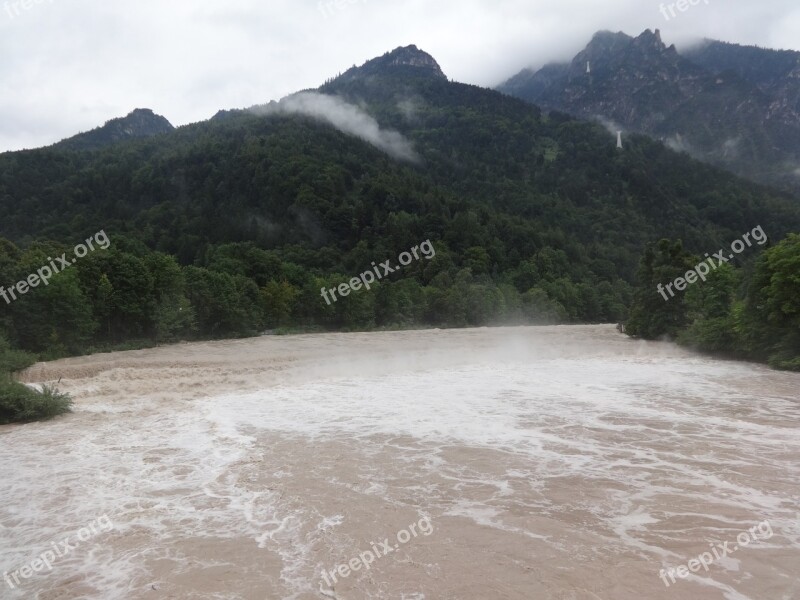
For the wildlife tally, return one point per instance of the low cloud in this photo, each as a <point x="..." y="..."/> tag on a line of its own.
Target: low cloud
<point x="730" y="148"/>
<point x="609" y="125"/>
<point x="409" y="108"/>
<point x="345" y="117"/>
<point x="677" y="143"/>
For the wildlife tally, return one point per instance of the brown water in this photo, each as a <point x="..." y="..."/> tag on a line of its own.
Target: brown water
<point x="564" y="463"/>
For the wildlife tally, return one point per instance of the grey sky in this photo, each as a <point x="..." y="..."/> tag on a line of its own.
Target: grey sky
<point x="70" y="65"/>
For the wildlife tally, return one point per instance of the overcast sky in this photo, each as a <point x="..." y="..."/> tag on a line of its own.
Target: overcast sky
<point x="70" y="65"/>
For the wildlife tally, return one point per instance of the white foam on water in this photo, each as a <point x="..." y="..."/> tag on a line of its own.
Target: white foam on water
<point x="671" y="427"/>
<point x="166" y="476"/>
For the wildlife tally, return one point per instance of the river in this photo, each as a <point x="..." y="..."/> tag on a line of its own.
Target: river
<point x="563" y="463"/>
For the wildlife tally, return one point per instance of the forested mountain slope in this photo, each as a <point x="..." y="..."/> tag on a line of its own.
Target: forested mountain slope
<point x="733" y="106"/>
<point x="233" y="225"/>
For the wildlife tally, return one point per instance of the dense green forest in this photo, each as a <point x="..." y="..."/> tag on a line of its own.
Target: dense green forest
<point x="751" y="312"/>
<point x="232" y="226"/>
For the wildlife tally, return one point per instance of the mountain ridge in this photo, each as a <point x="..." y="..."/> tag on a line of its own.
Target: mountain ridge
<point x="403" y="59"/>
<point x="139" y="123"/>
<point x="733" y="106"/>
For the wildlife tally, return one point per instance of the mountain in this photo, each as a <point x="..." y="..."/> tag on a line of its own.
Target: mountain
<point x="140" y="123"/>
<point x="733" y="106"/>
<point x="408" y="60"/>
<point x="233" y="225"/>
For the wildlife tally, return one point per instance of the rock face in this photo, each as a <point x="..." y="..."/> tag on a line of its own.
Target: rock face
<point x="140" y="123"/>
<point x="734" y="106"/>
<point x="414" y="57"/>
<point x="408" y="60"/>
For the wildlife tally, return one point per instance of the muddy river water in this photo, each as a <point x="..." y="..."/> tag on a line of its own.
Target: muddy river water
<point x="563" y="463"/>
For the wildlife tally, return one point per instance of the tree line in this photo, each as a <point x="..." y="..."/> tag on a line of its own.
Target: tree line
<point x="749" y="312"/>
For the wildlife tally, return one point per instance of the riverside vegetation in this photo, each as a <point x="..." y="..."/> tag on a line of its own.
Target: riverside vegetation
<point x="751" y="312"/>
<point x="19" y="403"/>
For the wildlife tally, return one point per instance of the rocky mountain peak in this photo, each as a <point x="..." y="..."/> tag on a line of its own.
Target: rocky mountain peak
<point x="405" y="59"/>
<point x="139" y="123"/>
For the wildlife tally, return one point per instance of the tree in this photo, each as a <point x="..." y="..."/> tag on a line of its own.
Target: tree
<point x="771" y="315"/>
<point x="223" y="304"/>
<point x="278" y="302"/>
<point x="173" y="316"/>
<point x="55" y="319"/>
<point x="710" y="312"/>
<point x="652" y="316"/>
<point x="540" y="309"/>
<point x="104" y="303"/>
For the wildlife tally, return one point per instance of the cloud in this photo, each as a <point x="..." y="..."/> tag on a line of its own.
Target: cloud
<point x="187" y="60"/>
<point x="409" y="107"/>
<point x="678" y="143"/>
<point x="345" y="117"/>
<point x="730" y="147"/>
<point x="611" y="126"/>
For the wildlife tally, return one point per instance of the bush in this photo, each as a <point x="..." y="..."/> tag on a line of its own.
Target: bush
<point x="14" y="360"/>
<point x="20" y="404"/>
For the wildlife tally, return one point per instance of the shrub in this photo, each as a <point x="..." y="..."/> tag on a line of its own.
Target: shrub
<point x="14" y="360"/>
<point x="20" y="404"/>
